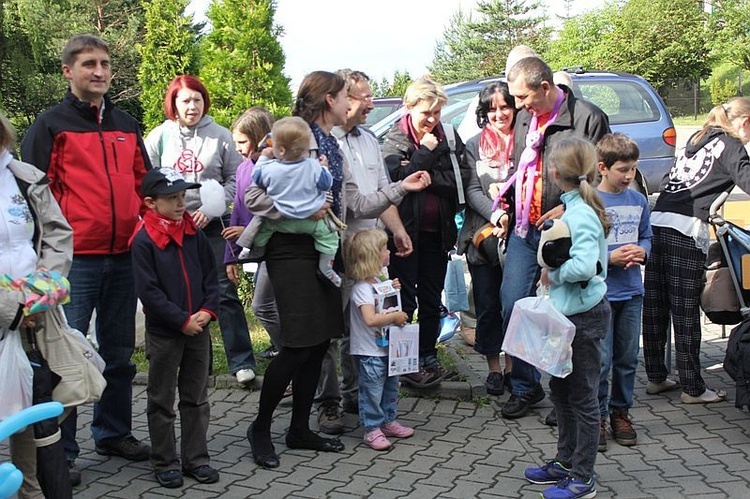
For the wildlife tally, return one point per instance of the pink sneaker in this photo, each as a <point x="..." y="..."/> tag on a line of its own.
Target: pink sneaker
<point x="376" y="440"/>
<point x="396" y="429"/>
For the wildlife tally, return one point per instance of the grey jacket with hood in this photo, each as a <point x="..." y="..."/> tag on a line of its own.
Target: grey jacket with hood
<point x="211" y="155"/>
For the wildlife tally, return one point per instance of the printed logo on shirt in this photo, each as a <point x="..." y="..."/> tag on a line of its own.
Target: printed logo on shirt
<point x="625" y="221"/>
<point x="188" y="162"/>
<point x="688" y="172"/>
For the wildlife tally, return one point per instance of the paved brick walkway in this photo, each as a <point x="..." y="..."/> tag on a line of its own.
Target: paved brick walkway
<point x="461" y="449"/>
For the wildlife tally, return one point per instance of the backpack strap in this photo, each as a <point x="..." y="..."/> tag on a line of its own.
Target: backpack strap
<point x="450" y="137"/>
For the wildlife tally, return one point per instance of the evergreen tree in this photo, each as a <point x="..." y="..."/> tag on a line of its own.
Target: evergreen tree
<point x="242" y="60"/>
<point x="34" y="33"/>
<point x="478" y="47"/>
<point x="168" y="50"/>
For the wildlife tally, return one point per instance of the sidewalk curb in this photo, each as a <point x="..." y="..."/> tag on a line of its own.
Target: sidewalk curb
<point x="472" y="387"/>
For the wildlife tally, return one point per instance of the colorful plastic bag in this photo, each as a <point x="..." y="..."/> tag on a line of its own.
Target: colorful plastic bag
<point x="541" y="335"/>
<point x="17" y="375"/>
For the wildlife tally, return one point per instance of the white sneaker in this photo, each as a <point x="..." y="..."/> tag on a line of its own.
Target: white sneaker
<point x="665" y="386"/>
<point x="245" y="376"/>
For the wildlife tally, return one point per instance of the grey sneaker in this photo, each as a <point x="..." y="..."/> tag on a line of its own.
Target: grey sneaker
<point x="330" y="420"/>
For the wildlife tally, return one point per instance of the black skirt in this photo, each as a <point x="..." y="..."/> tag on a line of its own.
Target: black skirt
<point x="310" y="311"/>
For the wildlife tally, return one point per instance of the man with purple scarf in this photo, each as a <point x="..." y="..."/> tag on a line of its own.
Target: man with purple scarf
<point x="548" y="113"/>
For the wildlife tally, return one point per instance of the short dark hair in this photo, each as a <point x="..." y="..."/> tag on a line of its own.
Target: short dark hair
<point x="533" y="70"/>
<point x="485" y="102"/>
<point x="177" y="84"/>
<point x="615" y="147"/>
<point x="81" y="43"/>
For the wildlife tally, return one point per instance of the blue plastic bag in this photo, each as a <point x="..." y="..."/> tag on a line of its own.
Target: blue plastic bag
<point x="456" y="294"/>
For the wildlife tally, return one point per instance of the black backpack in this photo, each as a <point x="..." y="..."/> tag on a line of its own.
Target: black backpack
<point x="737" y="362"/>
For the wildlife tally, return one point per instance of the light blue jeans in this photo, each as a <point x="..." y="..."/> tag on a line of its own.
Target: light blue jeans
<point x="620" y="354"/>
<point x="378" y="392"/>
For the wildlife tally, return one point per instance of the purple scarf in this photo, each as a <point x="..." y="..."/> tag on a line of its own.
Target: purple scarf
<point x="527" y="167"/>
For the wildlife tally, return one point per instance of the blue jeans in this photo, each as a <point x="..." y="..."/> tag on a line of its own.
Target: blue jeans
<point x="574" y="396"/>
<point x="521" y="273"/>
<point x="105" y="284"/>
<point x="232" y="320"/>
<point x="620" y="353"/>
<point x="378" y="392"/>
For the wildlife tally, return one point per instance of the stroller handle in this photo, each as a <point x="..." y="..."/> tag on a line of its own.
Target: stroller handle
<point x="30" y="415"/>
<point x="713" y="210"/>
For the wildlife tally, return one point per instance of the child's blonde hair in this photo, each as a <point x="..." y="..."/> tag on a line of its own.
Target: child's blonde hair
<point x="721" y="116"/>
<point x="362" y="254"/>
<point x="294" y="135"/>
<point x="575" y="160"/>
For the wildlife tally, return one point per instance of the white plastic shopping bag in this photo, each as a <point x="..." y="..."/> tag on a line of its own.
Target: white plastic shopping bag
<point x="541" y="335"/>
<point x="16" y="387"/>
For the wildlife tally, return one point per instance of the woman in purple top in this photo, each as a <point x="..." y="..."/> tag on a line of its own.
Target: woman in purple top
<point x="249" y="133"/>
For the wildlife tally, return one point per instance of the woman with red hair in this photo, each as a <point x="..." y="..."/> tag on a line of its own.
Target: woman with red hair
<point x="192" y="143"/>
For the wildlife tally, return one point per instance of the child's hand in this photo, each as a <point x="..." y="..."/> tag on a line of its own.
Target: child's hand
<point x="232" y="233"/>
<point x="202" y="318"/>
<point x="192" y="328"/>
<point x="627" y="256"/>
<point x="396" y="283"/>
<point x="233" y="273"/>
<point x="544" y="279"/>
<point x="200" y="219"/>
<point x="399" y="318"/>
<point x="323" y="160"/>
<point x="267" y="153"/>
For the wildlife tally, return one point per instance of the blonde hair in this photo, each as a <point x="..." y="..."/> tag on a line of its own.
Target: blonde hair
<point x="721" y="116"/>
<point x="575" y="160"/>
<point x="294" y="135"/>
<point x="427" y="90"/>
<point x="362" y="254"/>
<point x="7" y="134"/>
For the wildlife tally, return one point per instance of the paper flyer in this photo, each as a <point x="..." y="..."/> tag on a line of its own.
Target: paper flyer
<point x="403" y="350"/>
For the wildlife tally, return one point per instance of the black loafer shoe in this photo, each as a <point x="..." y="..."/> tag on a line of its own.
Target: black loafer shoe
<point x="265" y="458"/>
<point x="312" y="441"/>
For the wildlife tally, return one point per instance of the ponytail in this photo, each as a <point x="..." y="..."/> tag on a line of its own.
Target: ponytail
<point x="575" y="160"/>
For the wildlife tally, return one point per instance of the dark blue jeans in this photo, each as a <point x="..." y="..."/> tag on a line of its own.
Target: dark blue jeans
<point x="575" y="396"/>
<point x="486" y="281"/>
<point x="620" y="354"/>
<point x="105" y="284"/>
<point x="232" y="320"/>
<point x="520" y="276"/>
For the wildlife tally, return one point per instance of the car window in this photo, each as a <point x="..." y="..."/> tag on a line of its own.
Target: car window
<point x="623" y="101"/>
<point x="378" y="113"/>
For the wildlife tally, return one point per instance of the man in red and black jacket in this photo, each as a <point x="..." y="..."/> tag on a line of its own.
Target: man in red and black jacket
<point x="94" y="157"/>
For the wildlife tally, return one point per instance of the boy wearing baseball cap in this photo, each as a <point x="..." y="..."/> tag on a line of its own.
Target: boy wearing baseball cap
<point x="175" y="279"/>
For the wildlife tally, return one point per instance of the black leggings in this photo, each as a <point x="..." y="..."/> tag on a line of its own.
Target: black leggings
<point x="301" y="366"/>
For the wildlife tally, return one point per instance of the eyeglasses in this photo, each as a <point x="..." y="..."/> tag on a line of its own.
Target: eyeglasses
<point x="367" y="98"/>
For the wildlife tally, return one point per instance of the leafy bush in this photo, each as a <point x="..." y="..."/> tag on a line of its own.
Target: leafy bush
<point x="722" y="91"/>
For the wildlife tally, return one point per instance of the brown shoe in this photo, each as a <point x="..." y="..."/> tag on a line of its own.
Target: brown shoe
<point x="330" y="420"/>
<point x="426" y="377"/>
<point x="622" y="428"/>
<point x="602" y="435"/>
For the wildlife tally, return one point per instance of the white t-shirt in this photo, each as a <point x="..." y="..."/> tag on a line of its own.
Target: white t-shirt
<point x="362" y="337"/>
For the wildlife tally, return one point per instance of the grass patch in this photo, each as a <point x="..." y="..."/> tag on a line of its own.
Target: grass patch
<point x="690" y="120"/>
<point x="258" y="335"/>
